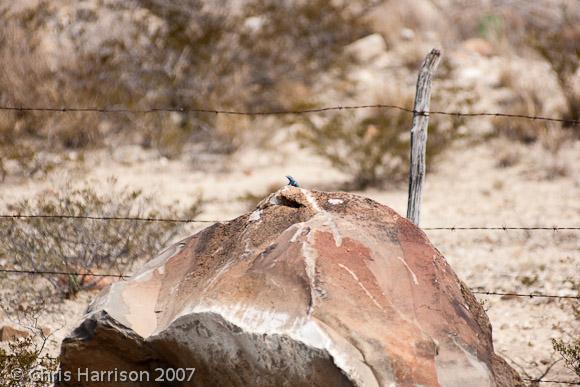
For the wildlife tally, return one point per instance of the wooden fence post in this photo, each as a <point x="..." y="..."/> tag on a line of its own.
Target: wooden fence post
<point x="419" y="135"/>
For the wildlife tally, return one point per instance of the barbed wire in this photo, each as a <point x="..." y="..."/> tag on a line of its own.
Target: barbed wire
<point x="123" y="276"/>
<point x="501" y="228"/>
<point x="185" y="220"/>
<point x="278" y="112"/>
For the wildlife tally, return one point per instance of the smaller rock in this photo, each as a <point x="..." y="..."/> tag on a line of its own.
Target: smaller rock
<point x="367" y="48"/>
<point x="88" y="281"/>
<point x="8" y="333"/>
<point x="479" y="46"/>
<point x="407" y="34"/>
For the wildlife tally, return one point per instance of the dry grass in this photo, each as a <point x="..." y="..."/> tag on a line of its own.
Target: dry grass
<point x="23" y="359"/>
<point x="560" y="47"/>
<point x="86" y="246"/>
<point x="25" y="355"/>
<point x="570" y="352"/>
<point x="526" y="101"/>
<point x="204" y="56"/>
<point x="372" y="147"/>
<point x="28" y="80"/>
<point x="529" y="100"/>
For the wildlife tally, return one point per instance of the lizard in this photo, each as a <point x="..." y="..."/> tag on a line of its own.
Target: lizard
<point x="292" y="181"/>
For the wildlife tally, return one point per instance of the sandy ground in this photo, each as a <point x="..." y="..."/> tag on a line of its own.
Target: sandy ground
<point x="467" y="188"/>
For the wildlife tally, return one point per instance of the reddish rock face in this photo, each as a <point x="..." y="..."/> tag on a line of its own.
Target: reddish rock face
<point x="310" y="289"/>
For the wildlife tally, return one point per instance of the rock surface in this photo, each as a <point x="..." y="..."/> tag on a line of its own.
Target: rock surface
<point x="310" y="289"/>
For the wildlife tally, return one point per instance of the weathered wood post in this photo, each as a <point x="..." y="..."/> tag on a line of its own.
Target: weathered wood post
<point x="419" y="134"/>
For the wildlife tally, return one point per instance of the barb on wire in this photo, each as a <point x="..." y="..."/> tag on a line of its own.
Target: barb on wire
<point x="123" y="276"/>
<point x="183" y="220"/>
<point x="276" y="112"/>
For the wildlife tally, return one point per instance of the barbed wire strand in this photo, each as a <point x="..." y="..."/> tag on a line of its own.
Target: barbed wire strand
<point x="501" y="228"/>
<point x="184" y="220"/>
<point x="123" y="276"/>
<point x="278" y="112"/>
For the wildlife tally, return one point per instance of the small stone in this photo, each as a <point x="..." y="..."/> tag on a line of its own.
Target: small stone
<point x="479" y="46"/>
<point x="367" y="48"/>
<point x="407" y="34"/>
<point x="8" y="333"/>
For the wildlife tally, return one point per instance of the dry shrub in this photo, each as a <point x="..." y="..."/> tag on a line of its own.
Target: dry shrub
<point x="204" y="54"/>
<point x="24" y="357"/>
<point x="23" y="361"/>
<point x="527" y="100"/>
<point x="559" y="45"/>
<point x="28" y="81"/>
<point x="236" y="57"/>
<point x="569" y="348"/>
<point x="551" y="31"/>
<point x="87" y="246"/>
<point x="519" y="129"/>
<point x="243" y="59"/>
<point x="570" y="351"/>
<point x="373" y="147"/>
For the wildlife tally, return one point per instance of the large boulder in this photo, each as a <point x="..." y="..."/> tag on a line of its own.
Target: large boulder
<point x="310" y="289"/>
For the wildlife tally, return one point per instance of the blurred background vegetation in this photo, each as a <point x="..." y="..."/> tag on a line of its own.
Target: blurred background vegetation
<point x="269" y="55"/>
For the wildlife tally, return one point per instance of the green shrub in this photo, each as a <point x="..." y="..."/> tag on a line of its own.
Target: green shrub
<point x="491" y="26"/>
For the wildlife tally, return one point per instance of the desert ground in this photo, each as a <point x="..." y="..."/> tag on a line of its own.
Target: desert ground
<point x="467" y="189"/>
